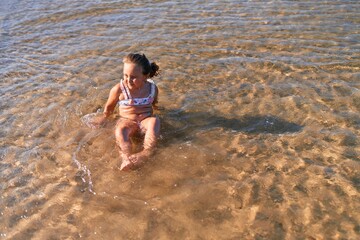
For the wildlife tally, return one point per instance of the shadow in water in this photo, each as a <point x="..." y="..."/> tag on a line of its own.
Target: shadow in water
<point x="180" y="124"/>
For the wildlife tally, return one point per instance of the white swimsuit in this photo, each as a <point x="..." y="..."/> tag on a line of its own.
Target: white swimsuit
<point x="129" y="101"/>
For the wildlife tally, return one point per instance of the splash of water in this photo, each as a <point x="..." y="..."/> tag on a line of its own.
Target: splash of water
<point x="94" y="120"/>
<point x="84" y="170"/>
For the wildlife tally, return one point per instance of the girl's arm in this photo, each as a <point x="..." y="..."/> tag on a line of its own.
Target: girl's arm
<point x="155" y="102"/>
<point x="112" y="100"/>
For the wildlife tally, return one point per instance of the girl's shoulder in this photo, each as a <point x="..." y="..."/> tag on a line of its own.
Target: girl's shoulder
<point x="116" y="89"/>
<point x="116" y="86"/>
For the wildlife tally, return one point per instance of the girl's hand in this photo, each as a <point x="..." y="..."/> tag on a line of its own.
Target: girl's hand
<point x="94" y="120"/>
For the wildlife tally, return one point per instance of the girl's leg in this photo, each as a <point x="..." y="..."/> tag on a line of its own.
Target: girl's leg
<point x="151" y="125"/>
<point x="152" y="132"/>
<point x="123" y="131"/>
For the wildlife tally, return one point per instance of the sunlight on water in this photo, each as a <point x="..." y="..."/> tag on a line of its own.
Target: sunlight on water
<point x="260" y="119"/>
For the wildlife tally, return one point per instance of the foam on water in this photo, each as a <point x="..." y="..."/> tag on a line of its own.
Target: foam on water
<point x="84" y="172"/>
<point x="93" y="120"/>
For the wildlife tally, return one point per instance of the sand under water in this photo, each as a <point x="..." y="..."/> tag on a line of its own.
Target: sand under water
<point x="260" y="120"/>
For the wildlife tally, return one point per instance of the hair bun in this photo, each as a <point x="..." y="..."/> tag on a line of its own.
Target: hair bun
<point x="154" y="70"/>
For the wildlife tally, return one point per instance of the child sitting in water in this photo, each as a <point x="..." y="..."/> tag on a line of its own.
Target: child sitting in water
<point x="137" y="95"/>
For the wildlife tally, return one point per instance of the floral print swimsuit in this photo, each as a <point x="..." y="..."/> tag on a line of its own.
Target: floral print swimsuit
<point x="129" y="101"/>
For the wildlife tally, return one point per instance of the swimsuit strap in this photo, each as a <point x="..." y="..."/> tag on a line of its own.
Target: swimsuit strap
<point x="152" y="90"/>
<point x="125" y="90"/>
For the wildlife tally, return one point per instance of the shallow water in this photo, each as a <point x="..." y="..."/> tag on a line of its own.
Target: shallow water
<point x="260" y="126"/>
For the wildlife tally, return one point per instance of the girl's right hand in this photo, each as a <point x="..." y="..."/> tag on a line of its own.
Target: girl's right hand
<point x="94" y="120"/>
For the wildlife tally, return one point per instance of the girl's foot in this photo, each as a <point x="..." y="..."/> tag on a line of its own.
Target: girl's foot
<point x="140" y="158"/>
<point x="126" y="163"/>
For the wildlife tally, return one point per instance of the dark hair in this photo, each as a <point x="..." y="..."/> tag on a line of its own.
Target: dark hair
<point x="140" y="59"/>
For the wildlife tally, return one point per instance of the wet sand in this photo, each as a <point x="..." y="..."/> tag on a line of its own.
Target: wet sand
<point x="260" y="120"/>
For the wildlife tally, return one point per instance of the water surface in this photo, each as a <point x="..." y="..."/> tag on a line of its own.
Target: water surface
<point x="260" y="120"/>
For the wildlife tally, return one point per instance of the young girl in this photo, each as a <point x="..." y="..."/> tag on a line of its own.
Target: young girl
<point x="137" y="95"/>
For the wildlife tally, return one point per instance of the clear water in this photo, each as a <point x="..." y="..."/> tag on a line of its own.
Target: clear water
<point x="260" y="126"/>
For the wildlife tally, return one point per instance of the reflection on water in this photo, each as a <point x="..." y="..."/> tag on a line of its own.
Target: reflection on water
<point x="260" y="120"/>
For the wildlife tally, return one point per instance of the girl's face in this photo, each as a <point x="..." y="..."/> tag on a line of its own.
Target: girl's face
<point x="133" y="76"/>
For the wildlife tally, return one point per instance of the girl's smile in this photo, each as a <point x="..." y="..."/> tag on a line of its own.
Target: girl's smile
<point x="133" y="76"/>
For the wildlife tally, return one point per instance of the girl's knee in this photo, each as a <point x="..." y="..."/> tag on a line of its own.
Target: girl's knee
<point x="153" y="119"/>
<point x="152" y="123"/>
<point x="119" y="129"/>
<point x="122" y="131"/>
